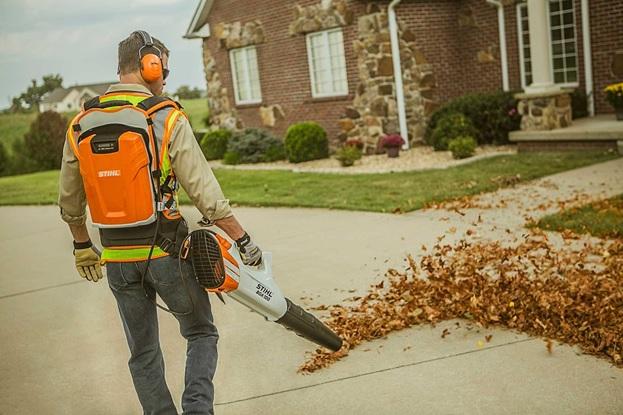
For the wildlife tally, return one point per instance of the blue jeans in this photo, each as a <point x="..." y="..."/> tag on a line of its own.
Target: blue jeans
<point x="140" y="323"/>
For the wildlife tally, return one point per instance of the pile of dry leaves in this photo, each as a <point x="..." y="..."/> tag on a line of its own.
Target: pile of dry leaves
<point x="571" y="293"/>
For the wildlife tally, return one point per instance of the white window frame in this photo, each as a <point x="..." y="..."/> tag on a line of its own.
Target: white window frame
<point x="549" y="41"/>
<point x="246" y="71"/>
<point x="327" y="56"/>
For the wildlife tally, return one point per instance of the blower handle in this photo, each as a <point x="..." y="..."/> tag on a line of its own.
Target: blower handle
<point x="309" y="327"/>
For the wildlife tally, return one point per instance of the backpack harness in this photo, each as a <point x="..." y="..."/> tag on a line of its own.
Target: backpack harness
<point x="130" y="187"/>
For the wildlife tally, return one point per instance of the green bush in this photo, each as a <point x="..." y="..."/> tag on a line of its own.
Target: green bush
<point x="214" y="144"/>
<point x="253" y="146"/>
<point x="450" y="126"/>
<point x="4" y="161"/>
<point x="462" y="147"/>
<point x="493" y="115"/>
<point x="231" y="158"/>
<point x="306" y="141"/>
<point x="347" y="155"/>
<point x="579" y="104"/>
<point x="43" y="143"/>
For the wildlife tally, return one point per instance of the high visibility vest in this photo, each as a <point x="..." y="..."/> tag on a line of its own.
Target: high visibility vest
<point x="121" y="141"/>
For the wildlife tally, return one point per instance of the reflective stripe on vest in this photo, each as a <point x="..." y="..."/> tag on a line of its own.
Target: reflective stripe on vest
<point x="130" y="254"/>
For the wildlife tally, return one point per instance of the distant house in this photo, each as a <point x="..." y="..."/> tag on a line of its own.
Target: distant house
<point x="72" y="98"/>
<point x="269" y="63"/>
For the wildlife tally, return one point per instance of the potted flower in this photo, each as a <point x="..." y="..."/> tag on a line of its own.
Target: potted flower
<point x="392" y="143"/>
<point x="614" y="95"/>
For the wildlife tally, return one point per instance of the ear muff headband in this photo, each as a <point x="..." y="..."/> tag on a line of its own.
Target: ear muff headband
<point x="150" y="58"/>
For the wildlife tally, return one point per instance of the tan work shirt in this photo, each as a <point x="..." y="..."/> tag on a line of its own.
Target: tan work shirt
<point x="187" y="161"/>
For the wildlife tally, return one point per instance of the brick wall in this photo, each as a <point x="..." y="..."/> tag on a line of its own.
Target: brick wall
<point x="283" y="64"/>
<point x="606" y="18"/>
<point x="434" y="24"/>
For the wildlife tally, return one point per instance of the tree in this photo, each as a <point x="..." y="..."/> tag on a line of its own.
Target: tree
<point x="43" y="143"/>
<point x="33" y="95"/>
<point x="184" y="92"/>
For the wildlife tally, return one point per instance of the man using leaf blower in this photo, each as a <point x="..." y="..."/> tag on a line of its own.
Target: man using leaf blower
<point x="126" y="154"/>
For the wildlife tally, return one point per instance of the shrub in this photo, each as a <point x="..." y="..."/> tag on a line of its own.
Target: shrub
<point x="20" y="162"/>
<point x="579" y="104"/>
<point x="253" y="146"/>
<point x="306" y="141"/>
<point x="4" y="160"/>
<point x="43" y="143"/>
<point x="493" y="115"/>
<point x="450" y="126"/>
<point x="214" y="144"/>
<point x="462" y="147"/>
<point x="347" y="155"/>
<point x="231" y="158"/>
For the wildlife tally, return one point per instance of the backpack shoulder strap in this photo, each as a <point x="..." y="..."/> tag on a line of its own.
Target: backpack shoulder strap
<point x="156" y="103"/>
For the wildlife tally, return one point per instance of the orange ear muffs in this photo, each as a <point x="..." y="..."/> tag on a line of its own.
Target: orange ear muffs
<point x="151" y="67"/>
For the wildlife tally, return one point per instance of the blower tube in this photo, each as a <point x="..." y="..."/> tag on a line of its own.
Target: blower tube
<point x="309" y="327"/>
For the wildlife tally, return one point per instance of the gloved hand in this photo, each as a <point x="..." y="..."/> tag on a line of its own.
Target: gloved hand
<point x="88" y="261"/>
<point x="249" y="252"/>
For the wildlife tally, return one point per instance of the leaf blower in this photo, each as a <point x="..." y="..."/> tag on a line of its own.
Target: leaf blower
<point x="218" y="268"/>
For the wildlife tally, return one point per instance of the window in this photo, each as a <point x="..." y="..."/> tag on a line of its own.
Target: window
<point x="245" y="75"/>
<point x="563" y="45"/>
<point x="327" y="64"/>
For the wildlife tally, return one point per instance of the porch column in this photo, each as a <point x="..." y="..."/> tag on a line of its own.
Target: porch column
<point x="539" y="48"/>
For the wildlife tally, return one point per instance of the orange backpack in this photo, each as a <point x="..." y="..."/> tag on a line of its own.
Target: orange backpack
<point x="115" y="144"/>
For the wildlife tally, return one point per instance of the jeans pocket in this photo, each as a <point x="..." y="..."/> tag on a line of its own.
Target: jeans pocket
<point x="164" y="271"/>
<point x="116" y="277"/>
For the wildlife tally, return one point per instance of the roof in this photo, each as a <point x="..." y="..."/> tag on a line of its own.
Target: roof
<point x="198" y="27"/>
<point x="60" y="93"/>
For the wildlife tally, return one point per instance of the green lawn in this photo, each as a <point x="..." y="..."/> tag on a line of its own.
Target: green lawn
<point x="377" y="192"/>
<point x="13" y="127"/>
<point x="196" y="109"/>
<point x="603" y="218"/>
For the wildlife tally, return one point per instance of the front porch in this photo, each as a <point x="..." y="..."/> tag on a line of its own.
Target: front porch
<point x="599" y="132"/>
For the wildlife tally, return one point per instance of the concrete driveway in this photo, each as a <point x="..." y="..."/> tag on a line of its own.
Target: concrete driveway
<point x="63" y="351"/>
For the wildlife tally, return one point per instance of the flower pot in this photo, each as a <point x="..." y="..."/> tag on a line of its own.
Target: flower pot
<point x="392" y="151"/>
<point x="619" y="112"/>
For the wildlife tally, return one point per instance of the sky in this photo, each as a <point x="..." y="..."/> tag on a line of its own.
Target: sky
<point x="78" y="40"/>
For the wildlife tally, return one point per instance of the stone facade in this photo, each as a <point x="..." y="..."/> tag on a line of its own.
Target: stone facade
<point x="222" y="114"/>
<point x="238" y="35"/>
<point x="545" y="111"/>
<point x="322" y="16"/>
<point x="374" y="110"/>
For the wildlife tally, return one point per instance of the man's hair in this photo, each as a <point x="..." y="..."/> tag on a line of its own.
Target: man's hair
<point x="129" y="60"/>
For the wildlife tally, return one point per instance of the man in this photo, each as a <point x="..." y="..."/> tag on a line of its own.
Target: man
<point x="143" y="67"/>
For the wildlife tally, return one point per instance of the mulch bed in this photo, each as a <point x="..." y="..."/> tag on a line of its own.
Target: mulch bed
<point x="570" y="292"/>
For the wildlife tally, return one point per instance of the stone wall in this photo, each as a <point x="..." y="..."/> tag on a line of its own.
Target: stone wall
<point x="374" y="109"/>
<point x="222" y="113"/>
<point x="545" y="111"/>
<point x="322" y="16"/>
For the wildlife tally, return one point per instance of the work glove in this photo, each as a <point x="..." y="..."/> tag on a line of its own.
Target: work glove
<point x="249" y="252"/>
<point x="88" y="261"/>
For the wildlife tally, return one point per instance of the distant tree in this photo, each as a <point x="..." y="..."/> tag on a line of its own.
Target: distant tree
<point x="184" y="92"/>
<point x="43" y="143"/>
<point x="33" y="95"/>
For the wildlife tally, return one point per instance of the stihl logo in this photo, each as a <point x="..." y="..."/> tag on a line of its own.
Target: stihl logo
<point x="109" y="173"/>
